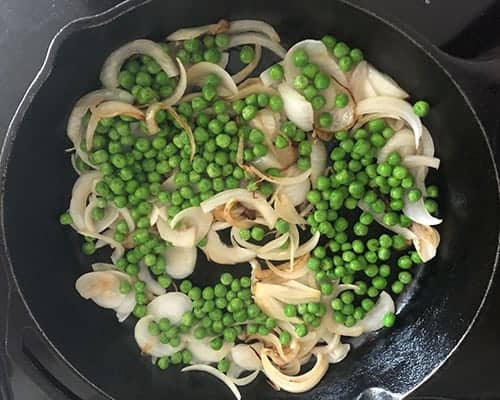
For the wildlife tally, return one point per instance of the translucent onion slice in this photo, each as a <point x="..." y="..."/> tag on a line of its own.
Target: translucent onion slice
<point x="415" y="161"/>
<point x="109" y="109"/>
<point x="361" y="87"/>
<point x="102" y="287"/>
<point x="285" y="209"/>
<point x="82" y="189"/>
<point x="296" y="193"/>
<point x="202" y="352"/>
<point x="287" y="271"/>
<point x="110" y="216"/>
<point x="111" y="68"/>
<point x="285" y="254"/>
<point x="171" y="305"/>
<point x="297" y="108"/>
<point x="274" y="309"/>
<point x="197" y="31"/>
<point x="250" y="200"/>
<point x="297" y="383"/>
<point x="125" y="213"/>
<point x="253" y="25"/>
<point x="269" y="246"/>
<point x="340" y="352"/>
<point x="249" y="87"/>
<point x="180" y="261"/>
<point x="249" y="68"/>
<point x="280" y="180"/>
<point x="246" y="380"/>
<point x="220" y="253"/>
<point x="193" y="217"/>
<point x="384" y="85"/>
<point x="402" y="139"/>
<point x="393" y="108"/>
<point x="291" y="292"/>
<point x="374" y="319"/>
<point x="89" y="101"/>
<point x="256" y="39"/>
<point x="151" y="284"/>
<point x="318" y="160"/>
<point x="150" y="344"/>
<point x="197" y="73"/>
<point x="318" y="55"/>
<point x="124" y="310"/>
<point x="219" y="375"/>
<point x="405" y="232"/>
<point x="186" y="128"/>
<point x="176" y="96"/>
<point x="417" y="212"/>
<point x="179" y="238"/>
<point x="340" y="329"/>
<point x="342" y="118"/>
<point x="244" y="356"/>
<point x="266" y="79"/>
<point x="426" y="241"/>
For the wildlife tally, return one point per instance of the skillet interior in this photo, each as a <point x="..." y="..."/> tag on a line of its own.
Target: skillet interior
<point x="46" y="259"/>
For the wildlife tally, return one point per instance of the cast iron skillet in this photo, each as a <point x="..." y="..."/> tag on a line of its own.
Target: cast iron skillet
<point x="75" y="350"/>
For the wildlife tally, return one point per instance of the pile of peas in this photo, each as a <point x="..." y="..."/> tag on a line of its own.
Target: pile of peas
<point x="220" y="313"/>
<point x="134" y="166"/>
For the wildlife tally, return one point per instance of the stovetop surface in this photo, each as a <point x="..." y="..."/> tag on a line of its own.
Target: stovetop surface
<point x="462" y="28"/>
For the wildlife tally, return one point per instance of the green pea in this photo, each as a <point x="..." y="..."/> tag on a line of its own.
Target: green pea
<point x="389" y="320"/>
<point x="276" y="72"/>
<point x="421" y="108"/>
<point x="341" y="49"/>
<point x="300" y="58"/>
<point x="247" y="54"/>
<point x="346" y="63"/>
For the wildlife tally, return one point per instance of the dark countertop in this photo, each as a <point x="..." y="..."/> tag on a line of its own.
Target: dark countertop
<point x="26" y="27"/>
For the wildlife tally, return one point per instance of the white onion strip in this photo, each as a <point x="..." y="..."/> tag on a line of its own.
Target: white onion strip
<point x="198" y="72"/>
<point x="114" y="62"/>
<point x="248" y="69"/>
<point x="257" y="38"/>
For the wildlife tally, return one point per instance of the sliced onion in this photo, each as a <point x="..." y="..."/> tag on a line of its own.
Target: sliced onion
<point x="417" y="212"/>
<point x="151" y="284"/>
<point x="249" y="87"/>
<point x="285" y="254"/>
<point x="220" y="253"/>
<point x="157" y="213"/>
<point x="253" y="25"/>
<point x="126" y="308"/>
<point x="340" y="329"/>
<point x="176" y="96"/>
<point x="286" y="271"/>
<point x="415" y="161"/>
<point x="318" y="160"/>
<point x="197" y="73"/>
<point x="109" y="109"/>
<point x="297" y="383"/>
<point x="280" y="180"/>
<point x="171" y="305"/>
<point x="82" y="189"/>
<point x="402" y="139"/>
<point x="202" y="352"/>
<point x="285" y="209"/>
<point x="102" y="287"/>
<point x="291" y="292"/>
<point x="246" y="380"/>
<point x="103" y="267"/>
<point x="318" y="55"/>
<point x="384" y="85"/>
<point x="219" y="375"/>
<point x="114" y="62"/>
<point x="178" y="238"/>
<point x="360" y="85"/>
<point x="256" y="38"/>
<point x="374" y="319"/>
<point x="296" y="107"/>
<point x="249" y="68"/>
<point x="150" y="344"/>
<point x="110" y="216"/>
<point x="193" y="217"/>
<point x="180" y="261"/>
<point x="251" y="200"/>
<point x="274" y="309"/>
<point x="405" y="232"/>
<point x="266" y="79"/>
<point x="186" y="128"/>
<point x="273" y="244"/>
<point x="194" y="32"/>
<point x="394" y="108"/>
<point x="125" y="213"/>
<point x="244" y="356"/>
<point x="426" y="241"/>
<point x="339" y="353"/>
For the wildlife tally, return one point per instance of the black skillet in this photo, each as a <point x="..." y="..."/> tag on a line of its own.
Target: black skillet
<point x="74" y="350"/>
